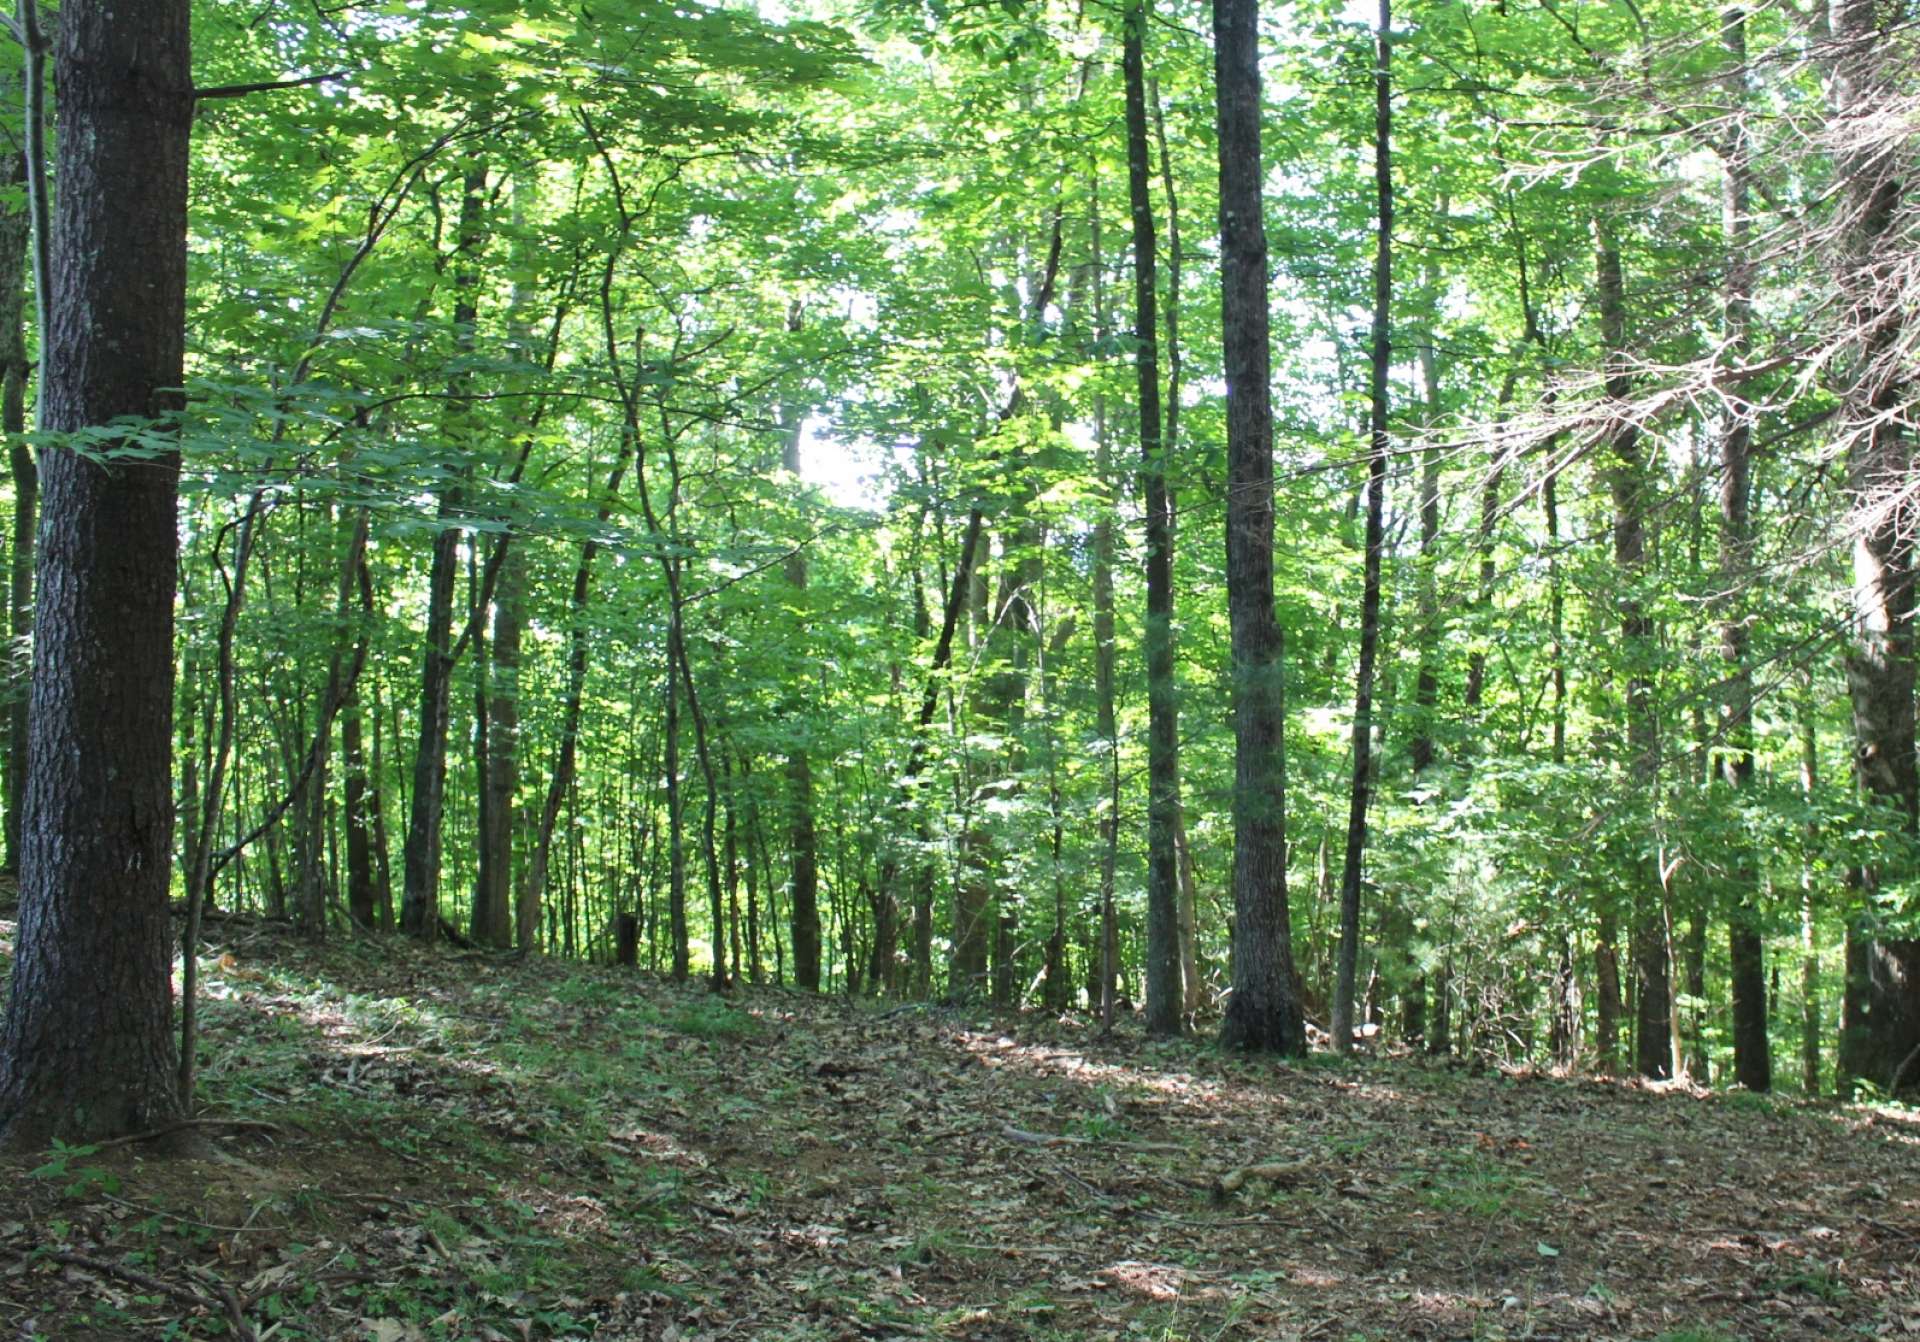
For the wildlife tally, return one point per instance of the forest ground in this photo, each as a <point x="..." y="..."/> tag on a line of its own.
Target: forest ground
<point x="465" y="1146"/>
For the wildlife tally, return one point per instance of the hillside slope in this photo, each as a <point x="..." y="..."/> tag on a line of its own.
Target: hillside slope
<point x="408" y="1145"/>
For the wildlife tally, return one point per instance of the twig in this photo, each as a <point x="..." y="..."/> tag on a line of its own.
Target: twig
<point x="171" y="1216"/>
<point x="1021" y="1135"/>
<point x="251" y="1124"/>
<point x="266" y="86"/>
<point x="1209" y="1225"/>
<point x="1900" y="1073"/>
<point x="241" y="1328"/>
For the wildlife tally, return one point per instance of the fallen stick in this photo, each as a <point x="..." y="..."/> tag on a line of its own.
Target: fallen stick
<point x="1026" y="1138"/>
<point x="154" y="1285"/>
<point x="167" y="1130"/>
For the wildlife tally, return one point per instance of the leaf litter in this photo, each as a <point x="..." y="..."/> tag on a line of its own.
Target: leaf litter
<point x="478" y="1147"/>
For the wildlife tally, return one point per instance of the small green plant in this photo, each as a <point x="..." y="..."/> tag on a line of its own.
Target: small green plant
<point x="1695" y="1335"/>
<point x="1097" y="1128"/>
<point x="1818" y="1281"/>
<point x="85" y="1179"/>
<point x="714" y="1020"/>
<point x="1746" y="1101"/>
<point x="1474" y="1186"/>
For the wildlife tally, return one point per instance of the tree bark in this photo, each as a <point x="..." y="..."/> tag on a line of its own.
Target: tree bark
<point x="1880" y="1010"/>
<point x="86" y="1048"/>
<point x="1361" y="790"/>
<point x="1626" y="479"/>
<point x="803" y="905"/>
<point x="499" y="918"/>
<point x="420" y="898"/>
<point x="1752" y="1057"/>
<point x="1165" y="1001"/>
<point x="1264" y="1012"/>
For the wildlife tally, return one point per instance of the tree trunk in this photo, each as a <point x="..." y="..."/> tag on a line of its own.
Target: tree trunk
<point x="1361" y="790"/>
<point x="1880" y="1012"/>
<point x="1809" y="948"/>
<point x="420" y="899"/>
<point x="676" y="825"/>
<point x="1626" y="478"/>
<point x="353" y="762"/>
<point x="1264" y="1012"/>
<point x="1165" y="1000"/>
<point x="86" y="1048"/>
<point x="1752" y="1059"/>
<point x="499" y="919"/>
<point x="803" y="905"/>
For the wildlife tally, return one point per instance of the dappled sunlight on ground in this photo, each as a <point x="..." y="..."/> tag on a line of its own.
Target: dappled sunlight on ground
<point x="468" y="1146"/>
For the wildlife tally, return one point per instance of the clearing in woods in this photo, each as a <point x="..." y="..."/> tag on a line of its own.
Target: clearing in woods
<point x="470" y="1147"/>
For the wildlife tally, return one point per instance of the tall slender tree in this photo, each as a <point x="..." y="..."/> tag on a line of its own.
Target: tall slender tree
<point x="1165" y="1000"/>
<point x="1360" y="792"/>
<point x="1752" y="1057"/>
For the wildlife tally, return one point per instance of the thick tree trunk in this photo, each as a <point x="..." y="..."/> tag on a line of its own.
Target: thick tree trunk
<point x="1880" y="1011"/>
<point x="1361" y="789"/>
<point x="1264" y="1012"/>
<point x="86" y="1048"/>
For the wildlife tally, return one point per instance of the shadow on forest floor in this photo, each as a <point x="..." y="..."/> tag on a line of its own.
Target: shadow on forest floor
<point x="468" y="1147"/>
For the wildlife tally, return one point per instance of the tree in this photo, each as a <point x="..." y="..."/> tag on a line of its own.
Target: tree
<point x="1165" y="999"/>
<point x="1381" y="363"/>
<point x="1880" y="1024"/>
<point x="1264" y="1013"/>
<point x="87" y="1049"/>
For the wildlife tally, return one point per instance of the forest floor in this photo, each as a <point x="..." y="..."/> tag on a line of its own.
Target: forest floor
<point x="468" y="1147"/>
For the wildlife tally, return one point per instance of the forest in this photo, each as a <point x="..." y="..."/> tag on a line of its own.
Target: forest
<point x="1358" y="535"/>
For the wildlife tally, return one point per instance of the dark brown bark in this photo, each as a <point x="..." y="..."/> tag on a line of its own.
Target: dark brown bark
<point x="87" y="1049"/>
<point x="1880" y="1009"/>
<point x="1626" y="480"/>
<point x="973" y="891"/>
<point x="1264" y="1011"/>
<point x="420" y="897"/>
<point x="353" y="763"/>
<point x="1752" y="1057"/>
<point x="1360" y="791"/>
<point x="1165" y="1000"/>
<point x="498" y="919"/>
<point x="803" y="906"/>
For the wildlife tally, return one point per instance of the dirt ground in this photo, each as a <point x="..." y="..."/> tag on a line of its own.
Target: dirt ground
<point x="397" y="1145"/>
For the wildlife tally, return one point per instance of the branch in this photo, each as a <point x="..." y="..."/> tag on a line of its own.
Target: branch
<point x="267" y="86"/>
